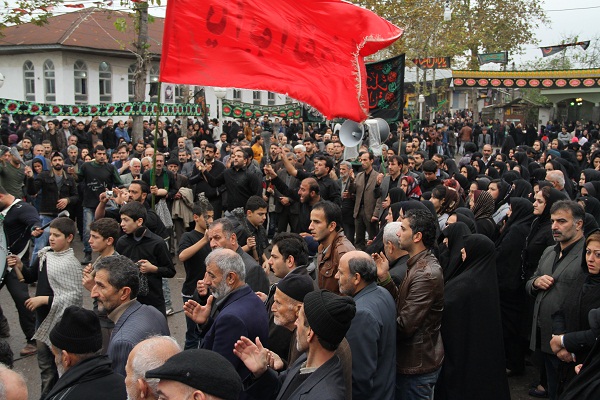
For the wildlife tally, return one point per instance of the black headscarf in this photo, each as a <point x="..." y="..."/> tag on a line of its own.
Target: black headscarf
<point x="451" y="167"/>
<point x="593" y="188"/>
<point x="592" y="206"/>
<point x="397" y="195"/>
<point x="522" y="188"/>
<point x="591" y="174"/>
<point x="465" y="219"/>
<point x="471" y="173"/>
<point x="500" y="166"/>
<point x="455" y="233"/>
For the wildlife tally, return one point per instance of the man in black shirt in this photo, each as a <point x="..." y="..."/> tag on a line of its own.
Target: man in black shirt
<point x="149" y="251"/>
<point x="329" y="189"/>
<point x="193" y="248"/>
<point x="97" y="176"/>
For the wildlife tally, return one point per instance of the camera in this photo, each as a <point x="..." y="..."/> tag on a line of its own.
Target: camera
<point x="110" y="194"/>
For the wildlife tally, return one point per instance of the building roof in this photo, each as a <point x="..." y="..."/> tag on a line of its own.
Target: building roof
<point x="90" y="30"/>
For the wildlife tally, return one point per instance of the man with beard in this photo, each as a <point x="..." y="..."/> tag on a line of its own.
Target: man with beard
<point x="12" y="171"/>
<point x="135" y="171"/>
<point x="117" y="284"/>
<point x="239" y="183"/>
<point x="59" y="190"/>
<point x="146" y="355"/>
<point x="329" y="189"/>
<point x="322" y="323"/>
<point x="236" y="312"/>
<point x="83" y="373"/>
<point x="96" y="176"/>
<point x="213" y="194"/>
<point x="308" y="194"/>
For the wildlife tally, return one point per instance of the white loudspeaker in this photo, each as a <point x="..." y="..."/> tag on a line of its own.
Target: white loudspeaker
<point x="378" y="132"/>
<point x="351" y="133"/>
<point x="336" y="128"/>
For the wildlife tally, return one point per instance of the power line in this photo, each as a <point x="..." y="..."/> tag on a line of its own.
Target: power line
<point x="574" y="9"/>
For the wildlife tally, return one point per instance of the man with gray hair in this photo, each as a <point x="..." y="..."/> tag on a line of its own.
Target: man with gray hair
<point x="372" y="334"/>
<point x="116" y="286"/>
<point x="557" y="179"/>
<point x="146" y="355"/>
<point x="236" y="312"/>
<point x="396" y="256"/>
<point x="12" y="385"/>
<point x="135" y="171"/>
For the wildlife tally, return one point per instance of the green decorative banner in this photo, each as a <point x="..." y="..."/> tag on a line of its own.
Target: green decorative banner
<point x="236" y="109"/>
<point x="8" y="106"/>
<point x="500" y="58"/>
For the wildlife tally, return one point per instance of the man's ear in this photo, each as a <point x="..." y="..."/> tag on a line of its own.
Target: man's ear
<point x="143" y="388"/>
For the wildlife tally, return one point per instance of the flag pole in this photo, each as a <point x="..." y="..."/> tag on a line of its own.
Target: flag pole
<point x="153" y="174"/>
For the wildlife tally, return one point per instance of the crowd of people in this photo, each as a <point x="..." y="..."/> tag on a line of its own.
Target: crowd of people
<point x="437" y="269"/>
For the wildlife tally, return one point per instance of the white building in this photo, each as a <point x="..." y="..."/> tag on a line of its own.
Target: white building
<point x="81" y="58"/>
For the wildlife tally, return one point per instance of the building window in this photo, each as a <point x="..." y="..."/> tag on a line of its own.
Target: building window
<point x="131" y="82"/>
<point x="256" y="97"/>
<point x="237" y="95"/>
<point x="271" y="98"/>
<point x="29" y="80"/>
<point x="80" y="72"/>
<point x="105" y="82"/>
<point x="49" y="82"/>
<point x="154" y="82"/>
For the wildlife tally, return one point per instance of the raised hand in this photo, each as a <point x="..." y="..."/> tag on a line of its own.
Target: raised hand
<point x="254" y="356"/>
<point x="383" y="265"/>
<point x="197" y="313"/>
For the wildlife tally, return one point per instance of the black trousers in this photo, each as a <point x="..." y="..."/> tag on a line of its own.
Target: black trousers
<point x="20" y="293"/>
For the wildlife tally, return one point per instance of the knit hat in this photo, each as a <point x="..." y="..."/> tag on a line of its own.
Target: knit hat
<point x="329" y="314"/>
<point x="77" y="332"/>
<point x="201" y="369"/>
<point x="296" y="286"/>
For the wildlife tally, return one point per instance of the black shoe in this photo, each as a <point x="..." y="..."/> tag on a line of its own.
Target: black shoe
<point x="4" y="328"/>
<point x="87" y="259"/>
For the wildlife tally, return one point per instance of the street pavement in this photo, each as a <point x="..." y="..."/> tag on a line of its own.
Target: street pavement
<point x="28" y="365"/>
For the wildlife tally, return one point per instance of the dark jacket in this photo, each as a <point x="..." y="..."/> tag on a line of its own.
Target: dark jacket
<point x="419" y="307"/>
<point x="241" y="313"/>
<point x="51" y="193"/>
<point x="240" y="185"/>
<point x="328" y="188"/>
<point x="326" y="382"/>
<point x="91" y="379"/>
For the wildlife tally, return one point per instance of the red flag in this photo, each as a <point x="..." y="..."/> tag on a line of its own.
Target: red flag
<point x="311" y="50"/>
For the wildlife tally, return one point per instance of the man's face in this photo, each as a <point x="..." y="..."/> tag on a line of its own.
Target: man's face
<point x="38" y="150"/>
<point x="411" y="163"/>
<point x="174" y="168"/>
<point x="100" y="156"/>
<point x="405" y="236"/>
<point x="345" y="278"/>
<point x="160" y="162"/>
<point x="182" y="157"/>
<point x="80" y="126"/>
<point x="216" y="282"/>
<point x="218" y="238"/>
<point x="65" y="124"/>
<point x="57" y="163"/>
<point x="284" y="312"/>
<point x="238" y="159"/>
<point x="135" y="193"/>
<point x="330" y="149"/>
<point x="564" y="228"/>
<point x="135" y="168"/>
<point x="319" y="228"/>
<point x="338" y="149"/>
<point x="366" y="162"/>
<point x="139" y="147"/>
<point x="26" y="144"/>
<point x="277" y="263"/>
<point x="209" y="154"/>
<point x="47" y="148"/>
<point x="304" y="192"/>
<point x="345" y="171"/>
<point x="58" y="241"/>
<point x="418" y="159"/>
<point x="181" y="143"/>
<point x="487" y="151"/>
<point x="300" y="154"/>
<point x="301" y="332"/>
<point x="320" y="168"/>
<point x="437" y="160"/>
<point x="73" y="154"/>
<point x="129" y="225"/>
<point x="309" y="146"/>
<point x="123" y="154"/>
<point x="394" y="167"/>
<point x="97" y="242"/>
<point x="257" y="217"/>
<point x="107" y="296"/>
<point x="429" y="176"/>
<point x="415" y="143"/>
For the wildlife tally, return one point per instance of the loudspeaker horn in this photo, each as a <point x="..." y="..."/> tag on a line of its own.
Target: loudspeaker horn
<point x="351" y="133"/>
<point x="336" y="128"/>
<point x="378" y="132"/>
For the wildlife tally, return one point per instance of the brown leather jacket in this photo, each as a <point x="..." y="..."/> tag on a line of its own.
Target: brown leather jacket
<point x="419" y="306"/>
<point x="327" y="263"/>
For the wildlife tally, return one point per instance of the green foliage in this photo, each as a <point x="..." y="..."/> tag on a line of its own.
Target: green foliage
<point x="120" y="24"/>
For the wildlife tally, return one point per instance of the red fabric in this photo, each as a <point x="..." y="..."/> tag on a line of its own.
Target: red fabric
<point x="311" y="50"/>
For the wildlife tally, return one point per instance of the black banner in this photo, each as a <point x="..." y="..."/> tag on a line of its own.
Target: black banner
<point x="432" y="62"/>
<point x="551" y="50"/>
<point x="385" y="86"/>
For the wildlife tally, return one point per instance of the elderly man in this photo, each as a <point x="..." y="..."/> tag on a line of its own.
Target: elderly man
<point x="12" y="385"/>
<point x="135" y="171"/>
<point x="372" y="335"/>
<point x="237" y="311"/>
<point x="197" y="374"/>
<point x="557" y="179"/>
<point x="222" y="235"/>
<point x="84" y="373"/>
<point x="396" y="256"/>
<point x="321" y="326"/>
<point x="117" y="284"/>
<point x="146" y="355"/>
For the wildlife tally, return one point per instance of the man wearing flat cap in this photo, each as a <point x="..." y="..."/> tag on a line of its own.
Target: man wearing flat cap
<point x="59" y="192"/>
<point x="197" y="374"/>
<point x="84" y="373"/>
<point x="321" y="326"/>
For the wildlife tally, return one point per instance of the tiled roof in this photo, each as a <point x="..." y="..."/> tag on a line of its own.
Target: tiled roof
<point x="87" y="29"/>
